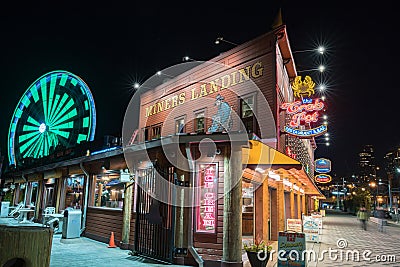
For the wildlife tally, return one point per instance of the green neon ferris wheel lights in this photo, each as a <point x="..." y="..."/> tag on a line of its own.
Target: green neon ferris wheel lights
<point x="57" y="109"/>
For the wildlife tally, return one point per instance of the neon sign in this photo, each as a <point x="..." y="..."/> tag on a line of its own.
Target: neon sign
<point x="305" y="111"/>
<point x="323" y="178"/>
<point x="322" y="165"/>
<point x="309" y="133"/>
<point x="207" y="182"/>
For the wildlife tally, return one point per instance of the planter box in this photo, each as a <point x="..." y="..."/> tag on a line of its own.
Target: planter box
<point x="255" y="261"/>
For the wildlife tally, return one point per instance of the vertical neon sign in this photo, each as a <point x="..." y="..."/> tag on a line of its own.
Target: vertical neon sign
<point x="207" y="182"/>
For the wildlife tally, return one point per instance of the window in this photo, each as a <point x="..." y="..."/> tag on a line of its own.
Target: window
<point x="109" y="191"/>
<point x="33" y="187"/>
<point x="146" y="134"/>
<point x="247" y="115"/>
<point x="199" y="122"/>
<point x="74" y="192"/>
<point x="156" y="131"/>
<point x="180" y="125"/>
<point x="247" y="107"/>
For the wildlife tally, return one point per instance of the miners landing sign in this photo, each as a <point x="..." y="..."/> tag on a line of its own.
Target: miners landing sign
<point x="304" y="113"/>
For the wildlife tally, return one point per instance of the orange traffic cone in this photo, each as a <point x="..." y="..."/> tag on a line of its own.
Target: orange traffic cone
<point x="111" y="244"/>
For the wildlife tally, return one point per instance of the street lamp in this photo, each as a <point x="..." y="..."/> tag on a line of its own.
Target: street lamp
<point x="320" y="50"/>
<point x="390" y="194"/>
<point x="221" y="39"/>
<point x="373" y="185"/>
<point x="321" y="68"/>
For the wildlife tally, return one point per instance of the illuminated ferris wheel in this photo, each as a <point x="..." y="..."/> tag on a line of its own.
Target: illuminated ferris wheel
<point x="57" y="109"/>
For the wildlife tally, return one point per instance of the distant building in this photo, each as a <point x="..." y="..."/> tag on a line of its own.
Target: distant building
<point x="392" y="163"/>
<point x="366" y="164"/>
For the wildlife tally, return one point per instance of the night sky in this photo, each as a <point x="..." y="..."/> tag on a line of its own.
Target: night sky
<point x="114" y="44"/>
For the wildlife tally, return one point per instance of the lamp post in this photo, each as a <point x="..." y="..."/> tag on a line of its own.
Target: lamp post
<point x="390" y="194"/>
<point x="373" y="185"/>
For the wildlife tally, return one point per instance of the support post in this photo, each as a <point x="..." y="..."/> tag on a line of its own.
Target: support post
<point x="127" y="213"/>
<point x="261" y="214"/>
<point x="298" y="205"/>
<point x="232" y="238"/>
<point x="281" y="205"/>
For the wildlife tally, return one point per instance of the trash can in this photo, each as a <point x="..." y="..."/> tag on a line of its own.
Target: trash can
<point x="5" y="206"/>
<point x="71" y="227"/>
<point x="25" y="246"/>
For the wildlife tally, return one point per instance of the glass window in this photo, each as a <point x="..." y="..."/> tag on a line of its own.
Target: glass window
<point x="74" y="192"/>
<point x="109" y="191"/>
<point x="21" y="193"/>
<point x="33" y="193"/>
<point x="180" y="125"/>
<point x="156" y="131"/>
<point x="247" y="107"/>
<point x="146" y="134"/>
<point x="199" y="122"/>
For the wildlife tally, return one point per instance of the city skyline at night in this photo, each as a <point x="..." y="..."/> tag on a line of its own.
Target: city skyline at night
<point x="112" y="47"/>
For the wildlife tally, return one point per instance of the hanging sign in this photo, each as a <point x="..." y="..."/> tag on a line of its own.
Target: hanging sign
<point x="322" y="165"/>
<point x="305" y="112"/>
<point x="323" y="178"/>
<point x="207" y="182"/>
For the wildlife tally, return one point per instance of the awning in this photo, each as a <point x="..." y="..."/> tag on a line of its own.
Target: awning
<point x="261" y="158"/>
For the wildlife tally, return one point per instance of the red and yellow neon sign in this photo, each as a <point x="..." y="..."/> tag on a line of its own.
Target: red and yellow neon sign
<point x="207" y="198"/>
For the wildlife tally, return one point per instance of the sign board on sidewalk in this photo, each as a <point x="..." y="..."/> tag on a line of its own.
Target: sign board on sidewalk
<point x="294" y="225"/>
<point x="5" y="205"/>
<point x="311" y="227"/>
<point x="293" y="244"/>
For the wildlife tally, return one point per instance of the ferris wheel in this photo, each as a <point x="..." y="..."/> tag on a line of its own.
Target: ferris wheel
<point x="57" y="109"/>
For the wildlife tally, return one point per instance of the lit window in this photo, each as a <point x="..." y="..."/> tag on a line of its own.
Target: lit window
<point x="74" y="192"/>
<point x="199" y="122"/>
<point x="108" y="191"/>
<point x="247" y="107"/>
<point x="156" y="131"/>
<point x="180" y="125"/>
<point x="247" y="116"/>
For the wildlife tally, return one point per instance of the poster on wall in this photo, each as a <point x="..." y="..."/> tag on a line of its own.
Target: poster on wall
<point x="207" y="184"/>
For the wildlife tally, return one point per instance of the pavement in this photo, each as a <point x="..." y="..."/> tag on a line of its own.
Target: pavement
<point x="87" y="252"/>
<point x="380" y="248"/>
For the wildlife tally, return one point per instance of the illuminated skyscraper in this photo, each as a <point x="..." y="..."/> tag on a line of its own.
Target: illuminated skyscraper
<point x="366" y="164"/>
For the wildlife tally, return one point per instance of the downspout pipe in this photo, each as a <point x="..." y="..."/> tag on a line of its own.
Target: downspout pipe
<point x="191" y="248"/>
<point x="86" y="197"/>
<point x="26" y="188"/>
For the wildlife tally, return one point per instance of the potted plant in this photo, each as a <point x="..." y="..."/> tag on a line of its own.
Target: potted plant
<point x="258" y="253"/>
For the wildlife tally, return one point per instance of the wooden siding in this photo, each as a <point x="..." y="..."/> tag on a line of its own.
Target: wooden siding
<point x="100" y="222"/>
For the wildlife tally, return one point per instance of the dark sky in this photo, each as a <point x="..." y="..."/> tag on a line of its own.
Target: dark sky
<point x="113" y="44"/>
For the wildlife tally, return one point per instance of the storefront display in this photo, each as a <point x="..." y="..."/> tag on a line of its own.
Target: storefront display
<point x="108" y="192"/>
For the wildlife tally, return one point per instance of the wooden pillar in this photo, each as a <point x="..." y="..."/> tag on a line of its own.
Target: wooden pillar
<point x="100" y="193"/>
<point x="127" y="212"/>
<point x="232" y="237"/>
<point x="39" y="199"/>
<point x="261" y="215"/>
<point x="58" y="198"/>
<point x="292" y="203"/>
<point x="280" y="192"/>
<point x="303" y="204"/>
<point x="298" y="205"/>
